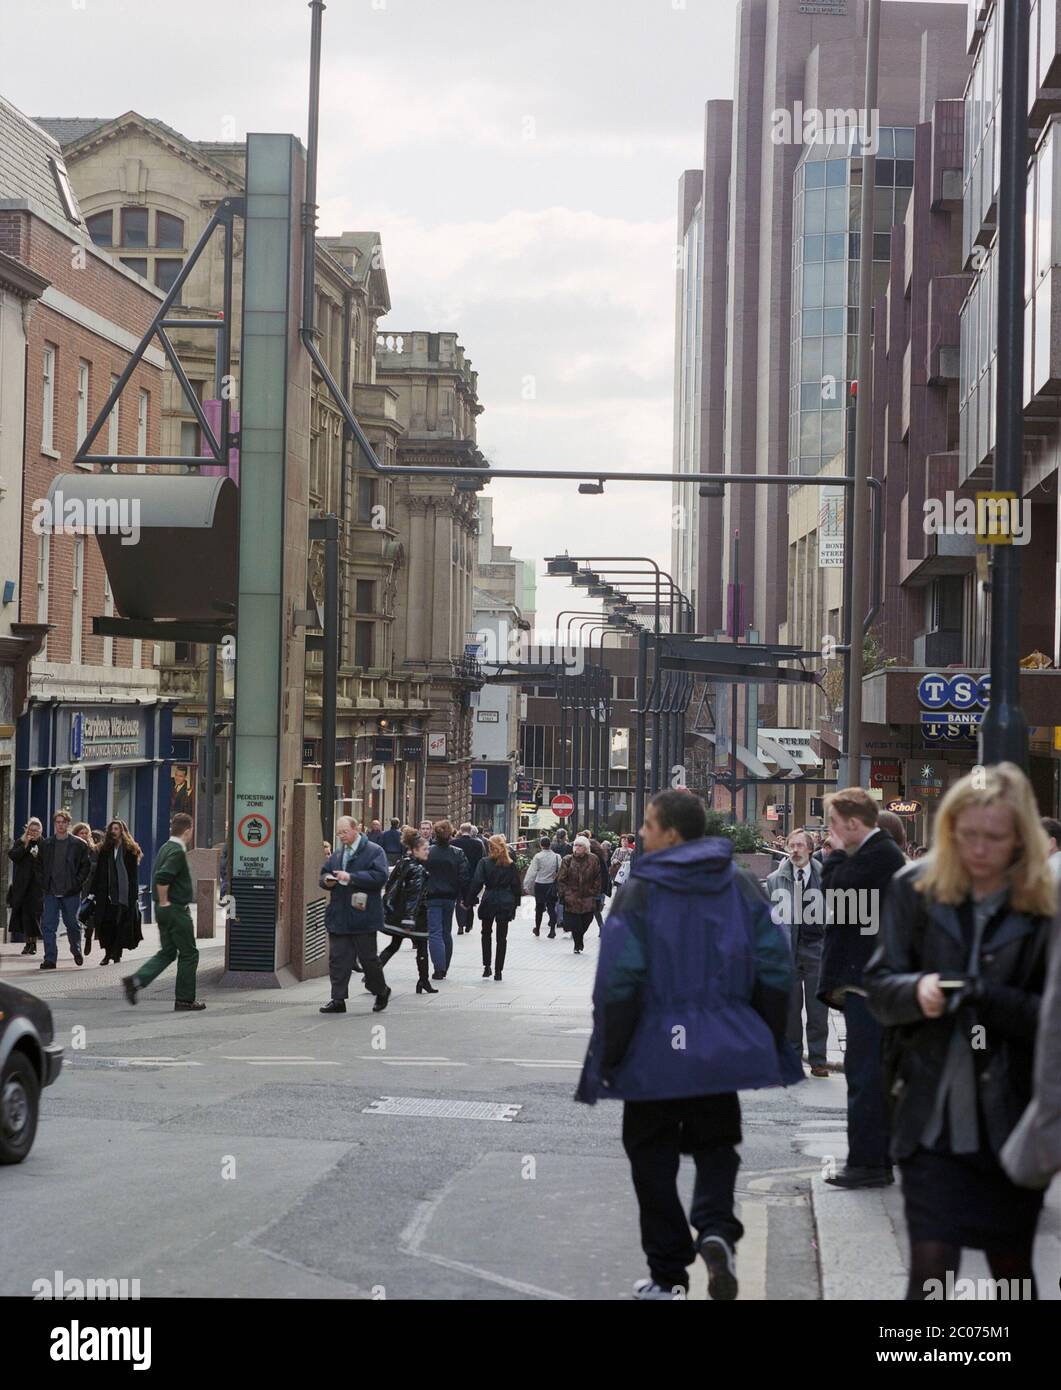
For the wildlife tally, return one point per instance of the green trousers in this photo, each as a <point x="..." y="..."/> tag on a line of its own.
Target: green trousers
<point x="176" y="937"/>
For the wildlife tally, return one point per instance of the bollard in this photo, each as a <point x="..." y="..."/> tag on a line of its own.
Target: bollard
<point x="205" y="906"/>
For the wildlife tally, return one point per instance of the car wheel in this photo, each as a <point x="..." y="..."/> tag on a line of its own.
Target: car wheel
<point x="19" y="1105"/>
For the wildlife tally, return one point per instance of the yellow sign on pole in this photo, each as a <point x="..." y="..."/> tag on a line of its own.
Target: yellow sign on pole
<point x="1057" y="737"/>
<point x="997" y="518"/>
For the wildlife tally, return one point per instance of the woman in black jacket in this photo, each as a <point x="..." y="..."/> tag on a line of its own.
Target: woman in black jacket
<point x="405" y="901"/>
<point x="497" y="878"/>
<point x="26" y="898"/>
<point x="115" y="887"/>
<point x="957" y="980"/>
<point x="447" y="880"/>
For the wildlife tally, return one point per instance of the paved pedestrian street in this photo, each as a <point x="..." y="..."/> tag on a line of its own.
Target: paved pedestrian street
<point x="433" y="1151"/>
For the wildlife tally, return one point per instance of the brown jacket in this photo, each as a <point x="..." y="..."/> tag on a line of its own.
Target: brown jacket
<point x="579" y="882"/>
<point x="1032" y="1153"/>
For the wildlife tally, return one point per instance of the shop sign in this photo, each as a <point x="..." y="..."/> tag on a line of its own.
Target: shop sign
<point x="106" y="736"/>
<point x="952" y="707"/>
<point x="925" y="780"/>
<point x="881" y="773"/>
<point x="413" y="750"/>
<point x="904" y="808"/>
<point x="436" y="745"/>
<point x="383" y="748"/>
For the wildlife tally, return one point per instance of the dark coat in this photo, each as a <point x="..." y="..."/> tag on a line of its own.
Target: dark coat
<point x="448" y="875"/>
<point x="500" y="886"/>
<point x="693" y="981"/>
<point x="563" y="847"/>
<point x="809" y="931"/>
<point x="80" y="860"/>
<point x="26" y="891"/>
<point x="368" y="874"/>
<point x="391" y="844"/>
<point x="921" y="936"/>
<point x="602" y="854"/>
<point x="115" y="924"/>
<point x="1033" y="1151"/>
<point x="405" y="897"/>
<point x="579" y="882"/>
<point x="848" y="945"/>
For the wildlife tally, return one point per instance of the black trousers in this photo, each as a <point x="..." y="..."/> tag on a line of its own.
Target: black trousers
<point x="419" y="945"/>
<point x="347" y="949"/>
<point x="655" y="1135"/>
<point x="867" y="1114"/>
<point x="545" y="901"/>
<point x="577" y="923"/>
<point x="502" y="940"/>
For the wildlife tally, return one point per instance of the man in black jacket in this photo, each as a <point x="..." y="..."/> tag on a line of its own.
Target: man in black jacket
<point x="856" y="874"/>
<point x="65" y="868"/>
<point x="474" y="849"/>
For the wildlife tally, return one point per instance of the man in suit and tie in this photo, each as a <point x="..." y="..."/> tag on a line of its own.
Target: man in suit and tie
<point x="354" y="875"/>
<point x="795" y="887"/>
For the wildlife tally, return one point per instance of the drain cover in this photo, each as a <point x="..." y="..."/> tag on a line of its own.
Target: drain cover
<point x="441" y="1109"/>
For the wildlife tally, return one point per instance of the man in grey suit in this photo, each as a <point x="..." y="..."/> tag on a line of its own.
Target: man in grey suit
<point x="795" y="888"/>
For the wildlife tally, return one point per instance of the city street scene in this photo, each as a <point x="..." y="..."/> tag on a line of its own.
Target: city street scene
<point x="530" y="669"/>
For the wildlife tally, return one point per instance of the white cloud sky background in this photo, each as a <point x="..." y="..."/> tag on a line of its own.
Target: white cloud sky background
<point x="520" y="159"/>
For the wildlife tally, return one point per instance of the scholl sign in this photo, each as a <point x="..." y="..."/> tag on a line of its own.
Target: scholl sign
<point x="952" y="706"/>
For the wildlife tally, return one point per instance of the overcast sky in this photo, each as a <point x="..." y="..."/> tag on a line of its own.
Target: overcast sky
<point x="520" y="159"/>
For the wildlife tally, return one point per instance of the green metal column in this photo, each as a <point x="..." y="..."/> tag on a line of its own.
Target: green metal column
<point x="270" y="372"/>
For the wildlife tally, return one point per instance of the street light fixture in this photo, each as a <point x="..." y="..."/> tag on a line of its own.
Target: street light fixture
<point x="560" y="565"/>
<point x="585" y="577"/>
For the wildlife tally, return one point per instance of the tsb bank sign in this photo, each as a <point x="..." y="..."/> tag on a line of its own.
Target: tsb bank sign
<point x="952" y="706"/>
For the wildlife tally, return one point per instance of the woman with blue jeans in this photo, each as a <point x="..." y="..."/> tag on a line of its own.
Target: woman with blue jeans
<point x="447" y="879"/>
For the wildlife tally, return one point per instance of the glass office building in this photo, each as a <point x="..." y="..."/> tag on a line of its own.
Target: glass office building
<point x="827" y="194"/>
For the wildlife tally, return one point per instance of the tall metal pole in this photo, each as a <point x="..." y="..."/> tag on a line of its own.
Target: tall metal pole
<point x="309" y="207"/>
<point x="1004" y="730"/>
<point x="208" y="759"/>
<point x="562" y="691"/>
<point x="330" y="674"/>
<point x="858" y="560"/>
<point x="847" y="621"/>
<point x="639" y="753"/>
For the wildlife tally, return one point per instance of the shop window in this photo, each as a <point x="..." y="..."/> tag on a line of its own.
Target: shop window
<point x="122" y="780"/>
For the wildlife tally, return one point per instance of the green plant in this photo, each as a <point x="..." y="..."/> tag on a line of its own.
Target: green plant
<point x="746" y="838"/>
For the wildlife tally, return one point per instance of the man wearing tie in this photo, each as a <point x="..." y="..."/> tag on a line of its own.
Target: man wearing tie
<point x="796" y="887"/>
<point x="354" y="875"/>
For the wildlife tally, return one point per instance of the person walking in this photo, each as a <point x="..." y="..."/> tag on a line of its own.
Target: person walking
<point x="172" y="891"/>
<point x="391" y="841"/>
<point x="405" y="906"/>
<point x="561" y="844"/>
<point x="65" y="866"/>
<point x="893" y="825"/>
<point x="115" y="889"/>
<point x="540" y="879"/>
<point x="605" y="881"/>
<point x="577" y="885"/>
<point x="473" y="848"/>
<point x="957" y="981"/>
<point x="447" y="882"/>
<point x="86" y="907"/>
<point x="622" y="855"/>
<point x="26" y="894"/>
<point x="354" y="875"/>
<point x="795" y="887"/>
<point x="497" y="878"/>
<point x="1052" y="828"/>
<point x="861" y="858"/>
<point x="690" y="950"/>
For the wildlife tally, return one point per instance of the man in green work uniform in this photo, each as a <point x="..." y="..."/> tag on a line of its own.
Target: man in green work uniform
<point x="171" y="888"/>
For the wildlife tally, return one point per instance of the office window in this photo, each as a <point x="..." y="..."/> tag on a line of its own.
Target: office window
<point x="143" y="405"/>
<point x="101" y="228"/>
<point x="366" y="596"/>
<point x="114" y="421"/>
<point x="166" y="272"/>
<point x="77" y="606"/>
<point x="169" y="230"/>
<point x="134" y="226"/>
<point x="82" y="401"/>
<point x="48" y="399"/>
<point x="363" y="645"/>
<point x="189" y="439"/>
<point x="365" y="498"/>
<point x="625" y="687"/>
<point x="44" y="552"/>
<point x="108" y="611"/>
<point x="135" y="263"/>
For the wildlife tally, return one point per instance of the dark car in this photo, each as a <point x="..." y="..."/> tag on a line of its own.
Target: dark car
<point x="30" y="1059"/>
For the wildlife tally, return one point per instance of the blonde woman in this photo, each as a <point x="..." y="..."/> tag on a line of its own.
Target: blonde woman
<point x="26" y="898"/>
<point x="497" y="878"/>
<point x="957" y="981"/>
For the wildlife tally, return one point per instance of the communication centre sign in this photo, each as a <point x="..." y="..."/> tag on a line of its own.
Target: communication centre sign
<point x="952" y="707"/>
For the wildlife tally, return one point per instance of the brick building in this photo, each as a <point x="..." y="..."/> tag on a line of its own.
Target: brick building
<point x="93" y="729"/>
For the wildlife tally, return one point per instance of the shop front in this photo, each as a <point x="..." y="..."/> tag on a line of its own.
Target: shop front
<point x="100" y="762"/>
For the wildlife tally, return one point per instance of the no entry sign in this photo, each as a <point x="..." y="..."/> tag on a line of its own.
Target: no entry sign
<point x="562" y="805"/>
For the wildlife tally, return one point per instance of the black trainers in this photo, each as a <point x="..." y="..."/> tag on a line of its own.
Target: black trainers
<point x="334" y="1006"/>
<point x="188" y="1006"/>
<point x="718" y="1255"/>
<point x="79" y="959"/>
<point x="131" y="987"/>
<point x="46" y="965"/>
<point x="382" y="1000"/>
